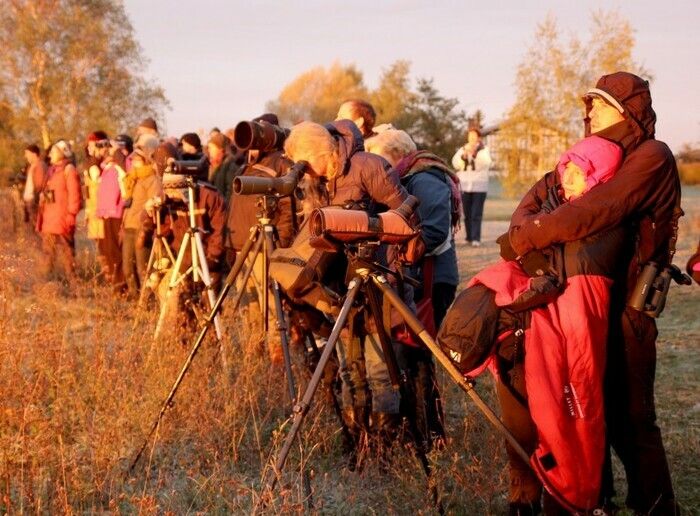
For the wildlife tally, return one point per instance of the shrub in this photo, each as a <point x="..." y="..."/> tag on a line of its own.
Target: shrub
<point x="689" y="172"/>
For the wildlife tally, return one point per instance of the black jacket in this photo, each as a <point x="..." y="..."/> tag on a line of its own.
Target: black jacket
<point x="643" y="196"/>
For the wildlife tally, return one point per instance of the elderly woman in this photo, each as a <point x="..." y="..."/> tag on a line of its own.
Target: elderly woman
<point x="59" y="204"/>
<point x="436" y="186"/>
<point x="354" y="178"/>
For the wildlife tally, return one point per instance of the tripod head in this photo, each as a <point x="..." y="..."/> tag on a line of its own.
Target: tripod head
<point x="363" y="255"/>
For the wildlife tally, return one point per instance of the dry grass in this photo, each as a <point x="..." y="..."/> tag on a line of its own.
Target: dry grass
<point x="79" y="389"/>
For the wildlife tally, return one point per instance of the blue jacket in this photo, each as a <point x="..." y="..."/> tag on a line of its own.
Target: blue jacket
<point x="433" y="191"/>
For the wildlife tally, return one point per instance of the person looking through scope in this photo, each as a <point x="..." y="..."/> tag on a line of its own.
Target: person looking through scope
<point x="261" y="140"/>
<point x="353" y="178"/>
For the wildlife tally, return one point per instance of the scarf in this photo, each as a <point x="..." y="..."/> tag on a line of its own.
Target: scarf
<point x="420" y="161"/>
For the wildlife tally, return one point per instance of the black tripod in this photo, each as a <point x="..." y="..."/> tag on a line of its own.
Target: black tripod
<point x="360" y="262"/>
<point x="262" y="239"/>
<point x="369" y="278"/>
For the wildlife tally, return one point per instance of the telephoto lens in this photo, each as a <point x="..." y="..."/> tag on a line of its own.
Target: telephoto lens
<point x="262" y="136"/>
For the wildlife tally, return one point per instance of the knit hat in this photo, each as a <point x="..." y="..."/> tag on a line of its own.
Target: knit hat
<point x="64" y="147"/>
<point x="97" y="136"/>
<point x="192" y="139"/>
<point x="124" y="141"/>
<point x="149" y="123"/>
<point x="597" y="157"/>
<point x="146" y="145"/>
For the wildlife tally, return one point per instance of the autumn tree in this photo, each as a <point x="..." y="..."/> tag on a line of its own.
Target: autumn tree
<point x="393" y="97"/>
<point x="547" y="115"/>
<point x="434" y="121"/>
<point x="69" y="67"/>
<point x="317" y="93"/>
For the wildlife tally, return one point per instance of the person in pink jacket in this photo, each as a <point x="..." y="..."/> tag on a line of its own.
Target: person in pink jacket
<point x="110" y="208"/>
<point x="59" y="204"/>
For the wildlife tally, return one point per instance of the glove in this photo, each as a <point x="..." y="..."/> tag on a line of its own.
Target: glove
<point x="536" y="263"/>
<point x="507" y="251"/>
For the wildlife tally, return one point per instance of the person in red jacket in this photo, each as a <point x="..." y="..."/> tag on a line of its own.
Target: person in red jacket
<point x="59" y="204"/>
<point x="644" y="198"/>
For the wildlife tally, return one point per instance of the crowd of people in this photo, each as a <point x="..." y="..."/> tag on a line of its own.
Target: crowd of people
<point x="573" y="362"/>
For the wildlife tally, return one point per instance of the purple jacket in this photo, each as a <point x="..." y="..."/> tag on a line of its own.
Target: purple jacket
<point x="109" y="198"/>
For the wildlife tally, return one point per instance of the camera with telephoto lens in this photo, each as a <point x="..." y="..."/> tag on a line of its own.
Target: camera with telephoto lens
<point x="261" y="136"/>
<point x="194" y="168"/>
<point x="278" y="186"/>
<point x="652" y="286"/>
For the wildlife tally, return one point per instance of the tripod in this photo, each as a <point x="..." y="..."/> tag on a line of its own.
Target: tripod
<point x="160" y="244"/>
<point x="192" y="243"/>
<point x="369" y="278"/>
<point x="261" y="239"/>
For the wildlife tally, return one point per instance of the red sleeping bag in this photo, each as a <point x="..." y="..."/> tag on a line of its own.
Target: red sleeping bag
<point x="564" y="365"/>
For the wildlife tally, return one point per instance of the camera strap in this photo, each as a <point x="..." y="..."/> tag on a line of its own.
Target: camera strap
<point x="675" y="218"/>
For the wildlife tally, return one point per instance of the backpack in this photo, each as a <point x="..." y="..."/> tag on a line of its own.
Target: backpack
<point x="301" y="272"/>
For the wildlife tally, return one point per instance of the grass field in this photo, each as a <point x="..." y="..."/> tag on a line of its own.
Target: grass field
<point x="80" y="385"/>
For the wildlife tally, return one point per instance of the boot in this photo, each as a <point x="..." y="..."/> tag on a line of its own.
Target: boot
<point x="356" y="422"/>
<point x="385" y="431"/>
<point x="385" y="427"/>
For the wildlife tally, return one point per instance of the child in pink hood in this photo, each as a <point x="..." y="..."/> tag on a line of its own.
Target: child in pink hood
<point x="589" y="162"/>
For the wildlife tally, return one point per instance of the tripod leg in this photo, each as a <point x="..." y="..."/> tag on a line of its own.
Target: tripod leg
<point x="144" y="280"/>
<point x="174" y="280"/>
<point x="302" y="408"/>
<point x="281" y="320"/>
<point x="405" y="389"/>
<point x="230" y="279"/>
<point x="206" y="279"/>
<point x="311" y="348"/>
<point x="247" y="274"/>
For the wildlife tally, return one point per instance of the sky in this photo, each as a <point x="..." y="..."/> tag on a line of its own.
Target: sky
<point x="220" y="61"/>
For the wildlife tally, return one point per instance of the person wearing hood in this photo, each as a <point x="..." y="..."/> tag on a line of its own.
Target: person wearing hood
<point x="143" y="184"/>
<point x="110" y="208"/>
<point x="644" y="198"/>
<point x="59" y="204"/>
<point x="360" y="180"/>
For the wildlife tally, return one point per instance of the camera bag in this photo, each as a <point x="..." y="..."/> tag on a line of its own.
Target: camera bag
<point x="300" y="269"/>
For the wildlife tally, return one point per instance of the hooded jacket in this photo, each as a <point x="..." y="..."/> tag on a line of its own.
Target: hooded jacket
<point x="364" y="179"/>
<point x="58" y="217"/>
<point x="643" y="196"/>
